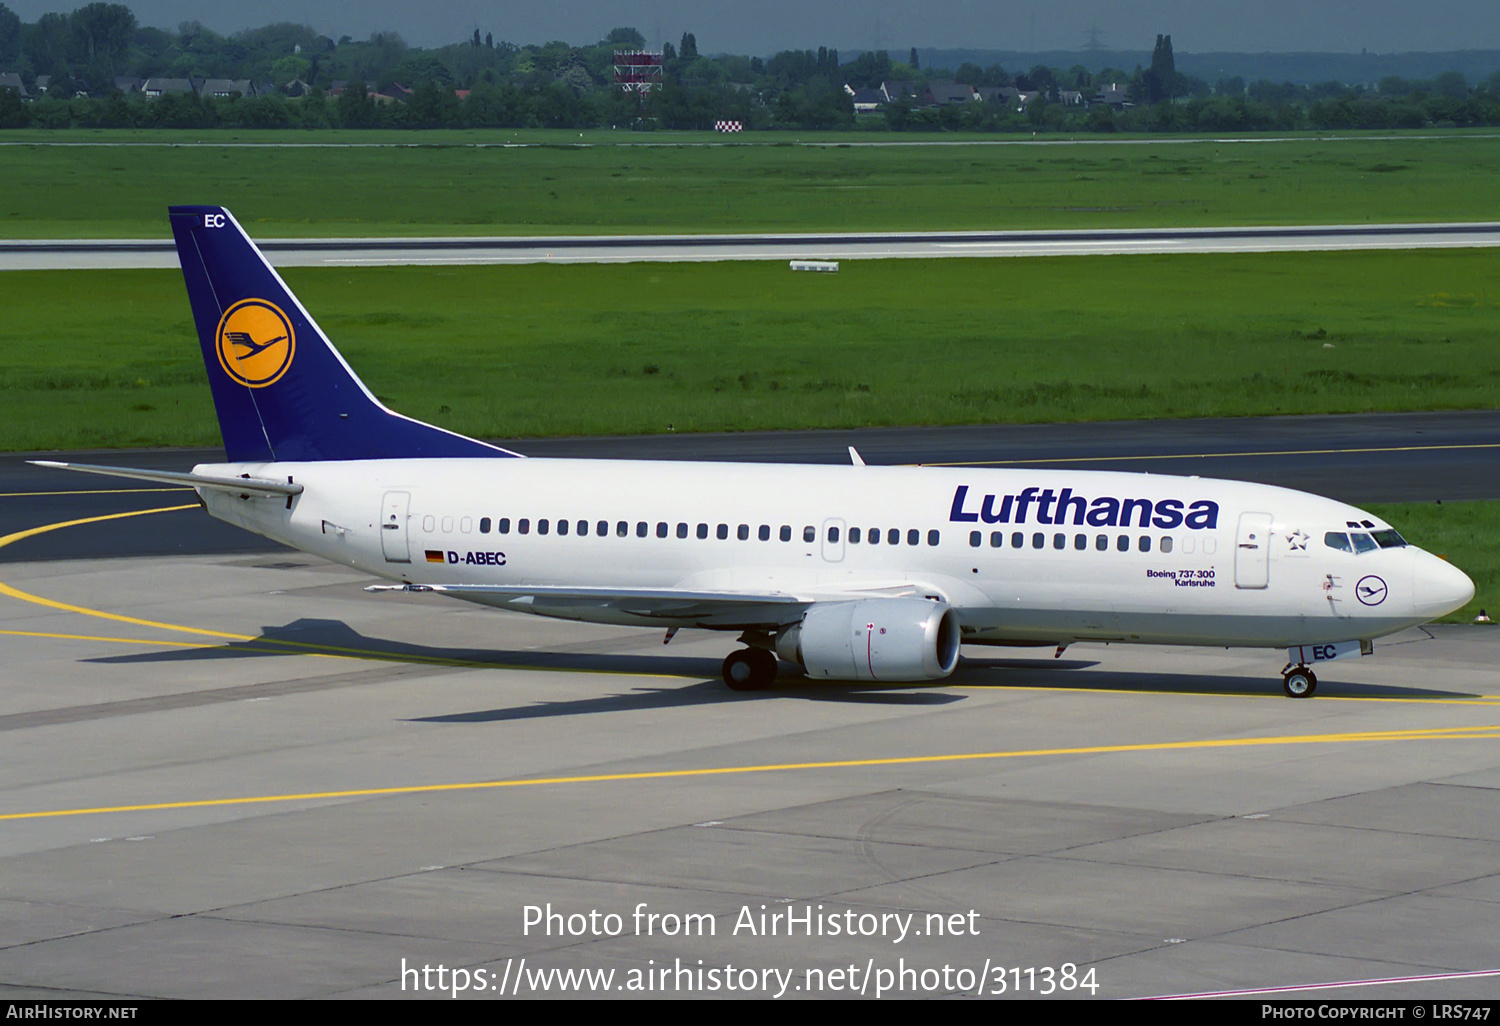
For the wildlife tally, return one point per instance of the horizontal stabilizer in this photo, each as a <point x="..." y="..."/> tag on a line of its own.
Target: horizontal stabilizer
<point x="256" y="485"/>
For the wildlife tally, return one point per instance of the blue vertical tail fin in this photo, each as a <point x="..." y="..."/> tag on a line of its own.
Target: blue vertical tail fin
<point x="281" y="389"/>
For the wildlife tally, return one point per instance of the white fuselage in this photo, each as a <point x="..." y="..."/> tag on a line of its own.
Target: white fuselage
<point x="1061" y="556"/>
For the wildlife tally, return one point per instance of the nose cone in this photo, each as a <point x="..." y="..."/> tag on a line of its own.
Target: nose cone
<point x="1438" y="587"/>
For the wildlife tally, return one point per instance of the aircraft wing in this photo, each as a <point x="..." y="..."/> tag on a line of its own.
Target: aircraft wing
<point x="239" y="485"/>
<point x="669" y="605"/>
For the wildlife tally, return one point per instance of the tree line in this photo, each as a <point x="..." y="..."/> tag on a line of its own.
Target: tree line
<point x="479" y="82"/>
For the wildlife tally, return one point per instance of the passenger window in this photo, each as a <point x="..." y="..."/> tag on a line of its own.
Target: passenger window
<point x="997" y="539"/>
<point x="682" y="530"/>
<point x="622" y="529"/>
<point x="975" y="537"/>
<point x="1166" y="544"/>
<point x="662" y="529"/>
<point x="893" y="536"/>
<point x="447" y="525"/>
<point x="833" y="535"/>
<point x="1363" y="543"/>
<point x="1059" y="541"/>
<point x="541" y="526"/>
<point x="854" y="536"/>
<point x="583" y="528"/>
<point x="466" y="525"/>
<point x="1038" y="540"/>
<point x="1101" y="542"/>
<point x="523" y="526"/>
<point x="429" y="524"/>
<point x="1338" y="540"/>
<point x="742" y="532"/>
<point x="913" y="537"/>
<point x="562" y="528"/>
<point x="502" y="526"/>
<point x="1080" y="542"/>
<point x="1017" y="540"/>
<point x="1187" y="544"/>
<point x="765" y="532"/>
<point x="642" y="529"/>
<point x="1145" y="543"/>
<point x="933" y="537"/>
<point x="484" y="525"/>
<point x="786" y="532"/>
<point x="722" y="532"/>
<point x="874" y="536"/>
<point x="809" y="534"/>
<point x="1123" y="543"/>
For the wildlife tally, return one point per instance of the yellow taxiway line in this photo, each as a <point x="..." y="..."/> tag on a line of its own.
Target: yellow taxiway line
<point x="1483" y="732"/>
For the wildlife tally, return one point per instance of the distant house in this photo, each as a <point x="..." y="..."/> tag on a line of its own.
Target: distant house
<point x="901" y="90"/>
<point x="1070" y="97"/>
<point x="296" y="87"/>
<point x="1113" y="94"/>
<point x="42" y="82"/>
<point x="865" y="100"/>
<point x="226" y="87"/>
<point x="11" y="80"/>
<point x="945" y="94"/>
<point x="158" y="87"/>
<point x="393" y="93"/>
<point x="128" y="85"/>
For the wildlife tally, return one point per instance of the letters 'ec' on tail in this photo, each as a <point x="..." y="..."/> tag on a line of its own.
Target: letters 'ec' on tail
<point x="281" y="390"/>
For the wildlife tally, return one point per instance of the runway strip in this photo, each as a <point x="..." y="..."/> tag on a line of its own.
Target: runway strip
<point x="80" y="254"/>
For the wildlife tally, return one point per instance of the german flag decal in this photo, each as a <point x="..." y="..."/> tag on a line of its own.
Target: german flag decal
<point x="434" y="556"/>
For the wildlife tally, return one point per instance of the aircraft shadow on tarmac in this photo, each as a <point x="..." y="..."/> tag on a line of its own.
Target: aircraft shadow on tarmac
<point x="336" y="638"/>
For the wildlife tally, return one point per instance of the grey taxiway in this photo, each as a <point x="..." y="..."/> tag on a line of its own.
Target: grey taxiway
<point x="228" y="771"/>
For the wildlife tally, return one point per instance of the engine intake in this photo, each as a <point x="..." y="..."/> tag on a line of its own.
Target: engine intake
<point x="874" y="639"/>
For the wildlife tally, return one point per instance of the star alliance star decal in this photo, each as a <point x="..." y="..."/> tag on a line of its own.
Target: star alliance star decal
<point x="1298" y="541"/>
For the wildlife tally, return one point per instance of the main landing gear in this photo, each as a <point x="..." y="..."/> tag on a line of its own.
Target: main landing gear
<point x="1299" y="682"/>
<point x="750" y="669"/>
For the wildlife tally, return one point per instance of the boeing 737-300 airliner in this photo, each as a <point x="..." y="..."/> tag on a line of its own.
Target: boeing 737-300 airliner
<point x="853" y="573"/>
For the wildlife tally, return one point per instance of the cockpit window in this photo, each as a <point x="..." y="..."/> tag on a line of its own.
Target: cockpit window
<point x="1389" y="539"/>
<point x="1363" y="543"/>
<point x="1337" y="540"/>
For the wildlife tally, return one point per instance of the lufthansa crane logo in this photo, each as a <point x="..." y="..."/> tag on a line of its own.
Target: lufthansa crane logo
<point x="255" y="342"/>
<point x="1370" y="590"/>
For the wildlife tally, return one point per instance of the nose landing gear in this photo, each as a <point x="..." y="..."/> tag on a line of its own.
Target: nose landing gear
<point x="1299" y="682"/>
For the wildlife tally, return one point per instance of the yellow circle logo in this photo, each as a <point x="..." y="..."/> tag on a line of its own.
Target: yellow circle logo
<point x="255" y="342"/>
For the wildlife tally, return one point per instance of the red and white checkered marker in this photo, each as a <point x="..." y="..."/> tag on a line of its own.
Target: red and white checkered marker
<point x="728" y="126"/>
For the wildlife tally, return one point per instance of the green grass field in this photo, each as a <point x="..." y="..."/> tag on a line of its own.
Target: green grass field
<point x="109" y="358"/>
<point x="442" y="183"/>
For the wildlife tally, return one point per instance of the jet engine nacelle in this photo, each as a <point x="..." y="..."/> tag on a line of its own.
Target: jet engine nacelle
<point x="874" y="639"/>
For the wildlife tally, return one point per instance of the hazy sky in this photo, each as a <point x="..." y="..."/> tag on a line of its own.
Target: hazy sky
<point x="765" y="26"/>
